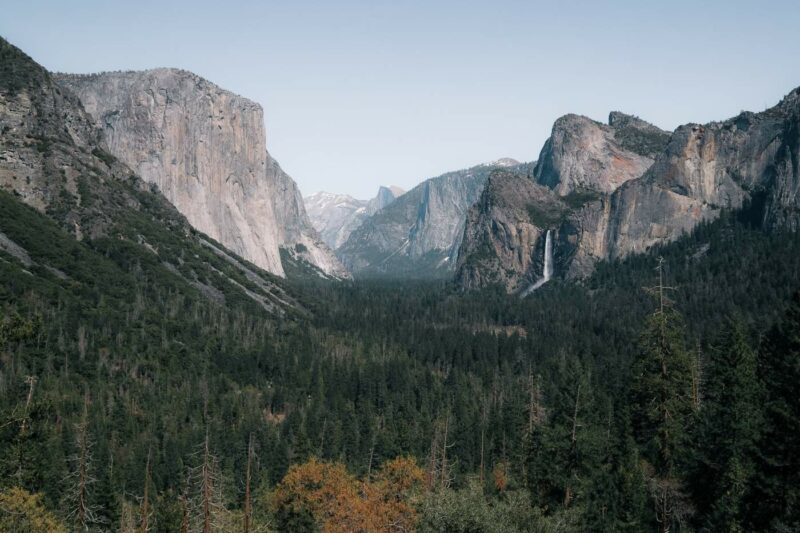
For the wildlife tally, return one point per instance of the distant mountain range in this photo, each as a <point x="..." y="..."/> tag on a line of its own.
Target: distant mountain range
<point x="335" y="216"/>
<point x="419" y="234"/>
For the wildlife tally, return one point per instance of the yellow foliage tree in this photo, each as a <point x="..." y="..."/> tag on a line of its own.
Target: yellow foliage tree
<point x="395" y="494"/>
<point x="340" y="503"/>
<point x="23" y="512"/>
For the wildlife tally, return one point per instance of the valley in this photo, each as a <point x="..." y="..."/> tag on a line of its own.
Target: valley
<point x="604" y="339"/>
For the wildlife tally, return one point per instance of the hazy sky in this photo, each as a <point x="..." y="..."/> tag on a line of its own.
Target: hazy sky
<point x="358" y="94"/>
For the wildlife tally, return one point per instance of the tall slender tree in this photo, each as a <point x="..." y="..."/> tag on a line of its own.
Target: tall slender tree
<point x="775" y="503"/>
<point x="663" y="406"/>
<point x="728" y="430"/>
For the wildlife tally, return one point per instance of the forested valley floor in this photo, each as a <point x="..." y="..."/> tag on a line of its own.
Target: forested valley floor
<point x="660" y="394"/>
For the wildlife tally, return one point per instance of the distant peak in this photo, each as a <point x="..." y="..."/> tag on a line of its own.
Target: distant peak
<point x="392" y="190"/>
<point x="502" y="162"/>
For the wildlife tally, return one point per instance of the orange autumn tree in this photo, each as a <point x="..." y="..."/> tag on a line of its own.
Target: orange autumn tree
<point x="340" y="503"/>
<point x="394" y="495"/>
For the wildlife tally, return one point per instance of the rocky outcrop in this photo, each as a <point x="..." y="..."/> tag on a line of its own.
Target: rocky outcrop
<point x="52" y="156"/>
<point x="503" y="238"/>
<point x="205" y="149"/>
<point x="582" y="154"/>
<point x="419" y="234"/>
<point x="336" y="216"/>
<point x="749" y="160"/>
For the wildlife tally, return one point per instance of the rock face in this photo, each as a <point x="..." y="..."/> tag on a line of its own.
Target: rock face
<point x="51" y="154"/>
<point x="751" y="159"/>
<point x="54" y="158"/>
<point x="295" y="233"/>
<point x="336" y="216"/>
<point x="582" y="154"/>
<point x="504" y="233"/>
<point x="205" y="149"/>
<point x="419" y="234"/>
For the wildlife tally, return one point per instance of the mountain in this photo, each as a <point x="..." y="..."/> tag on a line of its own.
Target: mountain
<point x="582" y="154"/>
<point x="503" y="234"/>
<point x="336" y="216"/>
<point x="420" y="233"/>
<point x="205" y="149"/>
<point x="604" y="211"/>
<point x="90" y="219"/>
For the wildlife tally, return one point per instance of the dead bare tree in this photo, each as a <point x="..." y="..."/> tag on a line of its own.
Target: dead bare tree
<point x="484" y="422"/>
<point x="31" y="382"/>
<point x="248" y="505"/>
<point x="697" y="378"/>
<point x="573" y="441"/>
<point x="80" y="480"/>
<point x="206" y="509"/>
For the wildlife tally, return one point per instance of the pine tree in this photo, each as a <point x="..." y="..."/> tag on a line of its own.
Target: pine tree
<point x="616" y="495"/>
<point x="663" y="406"/>
<point x="728" y="431"/>
<point x="775" y="503"/>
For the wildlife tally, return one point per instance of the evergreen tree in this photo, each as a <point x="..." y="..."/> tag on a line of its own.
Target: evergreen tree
<point x="775" y="504"/>
<point x="663" y="407"/>
<point x="616" y="495"/>
<point x="727" y="432"/>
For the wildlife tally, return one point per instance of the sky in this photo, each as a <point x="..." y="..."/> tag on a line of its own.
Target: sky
<point x="357" y="94"/>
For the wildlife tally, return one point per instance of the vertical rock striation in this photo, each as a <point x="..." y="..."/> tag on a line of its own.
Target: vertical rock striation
<point x="295" y="232"/>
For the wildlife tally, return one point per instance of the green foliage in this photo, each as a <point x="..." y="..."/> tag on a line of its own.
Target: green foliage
<point x="663" y="409"/>
<point x="545" y="216"/>
<point x="775" y="500"/>
<point x="359" y="372"/>
<point x="468" y="510"/>
<point x="728" y="430"/>
<point x="580" y="197"/>
<point x="17" y="70"/>
<point x="104" y="156"/>
<point x="662" y="391"/>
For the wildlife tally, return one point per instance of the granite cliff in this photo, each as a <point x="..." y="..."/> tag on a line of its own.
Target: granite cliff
<point x="622" y="188"/>
<point x="55" y="159"/>
<point x="205" y="150"/>
<point x="582" y="154"/>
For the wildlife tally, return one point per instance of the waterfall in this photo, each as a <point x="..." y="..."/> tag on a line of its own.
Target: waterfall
<point x="548" y="258"/>
<point x="547" y="271"/>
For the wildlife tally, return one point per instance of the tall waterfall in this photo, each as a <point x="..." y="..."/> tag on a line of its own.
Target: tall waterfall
<point x="548" y="258"/>
<point x="547" y="271"/>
